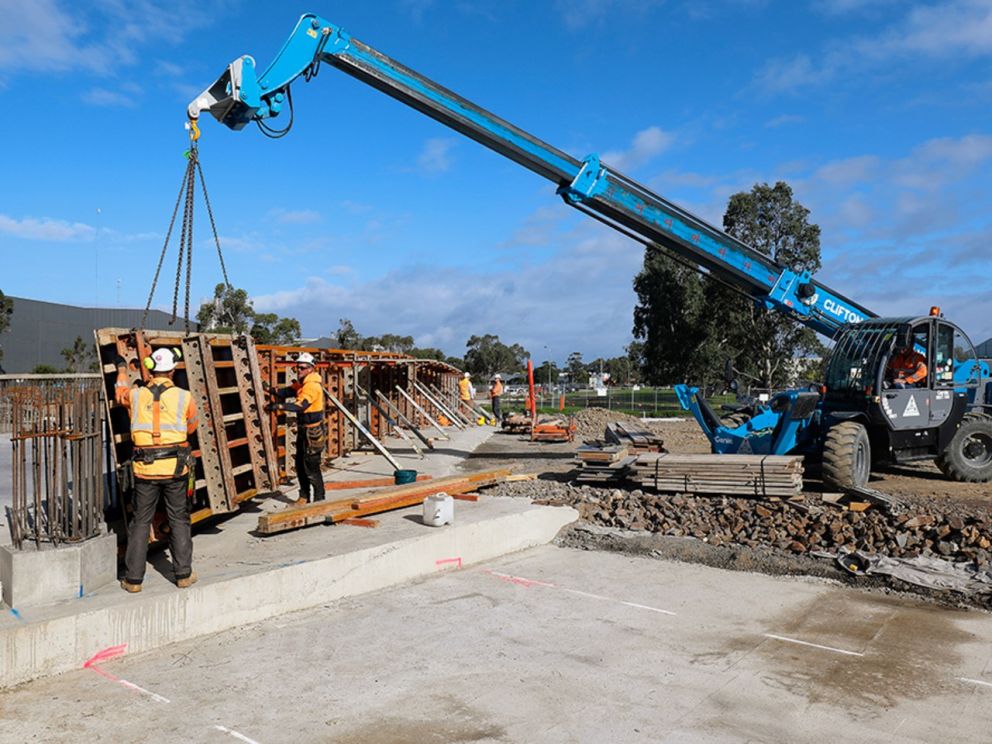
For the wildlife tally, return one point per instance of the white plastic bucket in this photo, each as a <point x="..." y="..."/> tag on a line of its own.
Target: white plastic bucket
<point x="439" y="509"/>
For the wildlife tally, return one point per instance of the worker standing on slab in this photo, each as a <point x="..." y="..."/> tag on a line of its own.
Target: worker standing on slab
<point x="162" y="418"/>
<point x="495" y="392"/>
<point x="311" y="426"/>
<point x="465" y="390"/>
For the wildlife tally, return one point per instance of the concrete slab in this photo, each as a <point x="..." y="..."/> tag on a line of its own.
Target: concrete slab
<point x="547" y="646"/>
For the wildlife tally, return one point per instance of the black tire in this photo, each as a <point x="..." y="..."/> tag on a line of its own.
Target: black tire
<point x="846" y="456"/>
<point x="968" y="456"/>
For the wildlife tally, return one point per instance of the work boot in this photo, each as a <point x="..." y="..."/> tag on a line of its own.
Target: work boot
<point x="302" y="501"/>
<point x="129" y="587"/>
<point x="187" y="582"/>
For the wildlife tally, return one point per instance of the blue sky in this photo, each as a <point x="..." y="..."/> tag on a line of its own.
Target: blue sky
<point x="877" y="112"/>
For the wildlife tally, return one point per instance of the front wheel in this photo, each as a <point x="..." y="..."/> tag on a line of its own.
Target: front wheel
<point x="847" y="455"/>
<point x="968" y="456"/>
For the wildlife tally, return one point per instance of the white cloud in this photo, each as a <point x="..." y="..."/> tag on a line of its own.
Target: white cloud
<point x="295" y="216"/>
<point x="431" y="303"/>
<point x="128" y="96"/>
<point x="646" y="145"/>
<point x="45" y="228"/>
<point x="578" y="14"/>
<point x="843" y="7"/>
<point x="435" y="157"/>
<point x="50" y="36"/>
<point x="948" y="31"/>
<point x="783" y="120"/>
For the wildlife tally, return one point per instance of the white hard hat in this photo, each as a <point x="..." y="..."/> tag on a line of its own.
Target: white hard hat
<point x="163" y="360"/>
<point x="305" y="357"/>
<point x="497" y="376"/>
<point x="467" y="374"/>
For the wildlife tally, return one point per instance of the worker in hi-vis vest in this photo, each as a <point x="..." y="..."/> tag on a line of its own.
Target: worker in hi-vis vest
<point x="311" y="425"/>
<point x="495" y="394"/>
<point x="162" y="418"/>
<point x="465" y="391"/>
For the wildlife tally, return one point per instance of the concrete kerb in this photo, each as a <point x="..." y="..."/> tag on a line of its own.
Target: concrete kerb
<point x="484" y="530"/>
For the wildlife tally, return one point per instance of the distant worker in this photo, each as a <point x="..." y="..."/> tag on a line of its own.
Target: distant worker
<point x="465" y="390"/>
<point x="162" y="417"/>
<point x="495" y="392"/>
<point x="311" y="426"/>
<point x="907" y="368"/>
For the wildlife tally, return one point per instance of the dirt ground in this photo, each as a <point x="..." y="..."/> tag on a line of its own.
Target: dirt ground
<point x="918" y="488"/>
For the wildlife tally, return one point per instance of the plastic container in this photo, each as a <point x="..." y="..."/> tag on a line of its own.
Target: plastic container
<point x="404" y="476"/>
<point x="439" y="509"/>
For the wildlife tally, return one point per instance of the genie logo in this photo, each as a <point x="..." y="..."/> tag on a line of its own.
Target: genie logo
<point x="836" y="309"/>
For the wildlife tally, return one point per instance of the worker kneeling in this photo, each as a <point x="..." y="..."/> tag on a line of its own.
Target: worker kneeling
<point x="162" y="418"/>
<point x="907" y="368"/>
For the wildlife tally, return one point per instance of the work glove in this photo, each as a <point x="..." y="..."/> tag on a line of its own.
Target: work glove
<point x="120" y="362"/>
<point x="275" y="407"/>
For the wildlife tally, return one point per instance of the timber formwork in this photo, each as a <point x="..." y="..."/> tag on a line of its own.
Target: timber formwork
<point x="233" y="447"/>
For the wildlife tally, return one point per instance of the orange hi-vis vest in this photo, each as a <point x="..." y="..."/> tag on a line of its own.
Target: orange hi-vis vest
<point x="162" y="417"/>
<point x="311" y="389"/>
<point x="497" y="389"/>
<point x="909" y="366"/>
<point x="465" y="389"/>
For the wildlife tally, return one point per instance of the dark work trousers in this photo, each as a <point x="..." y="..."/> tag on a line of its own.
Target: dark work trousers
<point x="496" y="413"/>
<point x="308" y="469"/>
<point x="146" y="495"/>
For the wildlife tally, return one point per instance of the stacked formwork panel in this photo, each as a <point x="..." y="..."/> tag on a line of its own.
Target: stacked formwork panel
<point x="233" y="447"/>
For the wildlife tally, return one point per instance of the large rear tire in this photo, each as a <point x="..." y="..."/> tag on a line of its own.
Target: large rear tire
<point x="968" y="456"/>
<point x="846" y="455"/>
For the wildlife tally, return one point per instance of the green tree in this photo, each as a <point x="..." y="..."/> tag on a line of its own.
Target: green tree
<point x="762" y="342"/>
<point x="670" y="320"/>
<point x="80" y="357"/>
<point x="346" y="337"/>
<point x="269" y="328"/>
<point x="230" y="311"/>
<point x="6" y="310"/>
<point x="620" y="370"/>
<point x="429" y="352"/>
<point x="546" y="373"/>
<point x="577" y="371"/>
<point x="486" y="355"/>
<point x="388" y="342"/>
<point x="45" y="369"/>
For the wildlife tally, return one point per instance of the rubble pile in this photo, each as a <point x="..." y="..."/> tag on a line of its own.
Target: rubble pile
<point x="950" y="531"/>
<point x="590" y="423"/>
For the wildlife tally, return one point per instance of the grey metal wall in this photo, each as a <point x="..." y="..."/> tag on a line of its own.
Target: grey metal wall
<point x="40" y="330"/>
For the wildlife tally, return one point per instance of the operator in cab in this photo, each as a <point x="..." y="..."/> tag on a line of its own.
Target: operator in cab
<point x="907" y="368"/>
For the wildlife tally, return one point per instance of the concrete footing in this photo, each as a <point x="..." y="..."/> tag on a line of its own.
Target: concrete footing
<point x="403" y="548"/>
<point x="38" y="576"/>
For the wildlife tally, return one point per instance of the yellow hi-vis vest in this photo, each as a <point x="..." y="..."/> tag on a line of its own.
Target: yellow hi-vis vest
<point x="465" y="388"/>
<point x="161" y="423"/>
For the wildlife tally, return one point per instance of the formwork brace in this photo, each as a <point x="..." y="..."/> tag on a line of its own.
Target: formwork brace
<point x="457" y="419"/>
<point x="403" y="419"/>
<point x="365" y="432"/>
<point x="389" y="419"/>
<point x="422" y="412"/>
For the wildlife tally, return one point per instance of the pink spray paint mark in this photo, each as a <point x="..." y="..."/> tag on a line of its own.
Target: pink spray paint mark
<point x="112" y="653"/>
<point x="445" y="561"/>
<point x="518" y="580"/>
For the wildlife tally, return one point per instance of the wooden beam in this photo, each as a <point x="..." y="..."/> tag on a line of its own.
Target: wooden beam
<point x="368" y="483"/>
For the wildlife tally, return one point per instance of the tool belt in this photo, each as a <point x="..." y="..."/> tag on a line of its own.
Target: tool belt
<point x="316" y="436"/>
<point x="181" y="452"/>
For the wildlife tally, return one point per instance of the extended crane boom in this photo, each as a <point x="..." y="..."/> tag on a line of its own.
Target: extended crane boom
<point x="860" y="416"/>
<point x="241" y="96"/>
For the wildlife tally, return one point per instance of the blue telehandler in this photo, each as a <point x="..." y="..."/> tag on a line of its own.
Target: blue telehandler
<point x="859" y="416"/>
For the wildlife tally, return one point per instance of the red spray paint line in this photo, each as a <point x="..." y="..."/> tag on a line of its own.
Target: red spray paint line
<point x="109" y="654"/>
<point x="445" y="561"/>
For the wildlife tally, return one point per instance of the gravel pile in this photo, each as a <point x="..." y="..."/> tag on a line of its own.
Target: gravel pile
<point x="950" y="531"/>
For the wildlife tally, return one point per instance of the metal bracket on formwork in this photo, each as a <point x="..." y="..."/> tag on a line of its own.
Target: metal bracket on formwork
<point x="392" y="422"/>
<point x="403" y="419"/>
<point x="264" y="462"/>
<point x="454" y="416"/>
<point x="365" y="432"/>
<point x="211" y="435"/>
<point x="422" y="412"/>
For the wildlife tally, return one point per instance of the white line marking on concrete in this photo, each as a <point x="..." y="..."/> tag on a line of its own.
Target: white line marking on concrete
<point x="521" y="581"/>
<point x="235" y="734"/>
<point x="975" y="681"/>
<point x="813" y="645"/>
<point x="149" y="693"/>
